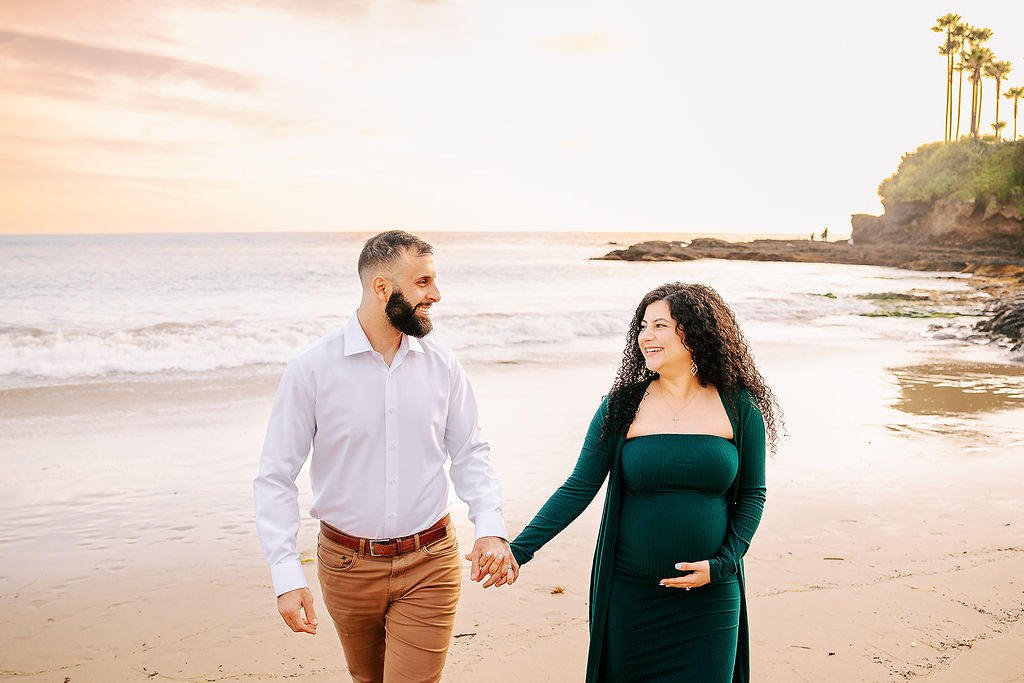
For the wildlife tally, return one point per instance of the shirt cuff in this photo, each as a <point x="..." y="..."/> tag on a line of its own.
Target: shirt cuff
<point x="288" y="576"/>
<point x="520" y="553"/>
<point x="720" y="568"/>
<point x="491" y="524"/>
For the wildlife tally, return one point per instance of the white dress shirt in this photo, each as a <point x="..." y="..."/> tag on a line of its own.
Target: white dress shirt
<point x="380" y="437"/>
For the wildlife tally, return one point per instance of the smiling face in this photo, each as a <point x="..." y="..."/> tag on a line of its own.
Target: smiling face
<point x="414" y="291"/>
<point x="660" y="342"/>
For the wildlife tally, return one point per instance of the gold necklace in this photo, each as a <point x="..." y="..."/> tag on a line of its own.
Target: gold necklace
<point x="675" y="413"/>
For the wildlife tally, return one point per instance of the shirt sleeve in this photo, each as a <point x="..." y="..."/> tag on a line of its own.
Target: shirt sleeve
<point x="572" y="497"/>
<point x="745" y="514"/>
<point x="290" y="433"/>
<point x="471" y="470"/>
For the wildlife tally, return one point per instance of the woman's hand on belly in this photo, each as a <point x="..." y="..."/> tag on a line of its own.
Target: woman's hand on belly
<point x="696" y="574"/>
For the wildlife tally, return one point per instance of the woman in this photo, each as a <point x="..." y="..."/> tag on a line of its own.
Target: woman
<point x="681" y="435"/>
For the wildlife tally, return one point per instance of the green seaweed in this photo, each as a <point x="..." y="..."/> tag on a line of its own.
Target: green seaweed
<point x="893" y="296"/>
<point x="918" y="314"/>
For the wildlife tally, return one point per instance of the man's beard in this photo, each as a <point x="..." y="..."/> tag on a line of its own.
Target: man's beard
<point x="402" y="315"/>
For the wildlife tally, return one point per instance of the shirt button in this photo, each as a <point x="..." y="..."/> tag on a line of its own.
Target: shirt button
<point x="392" y="482"/>
<point x="391" y="410"/>
<point x="391" y="516"/>
<point x="391" y="447"/>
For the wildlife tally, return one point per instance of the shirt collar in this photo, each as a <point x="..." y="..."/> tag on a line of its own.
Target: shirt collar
<point x="413" y="343"/>
<point x="356" y="341"/>
<point x="355" y="338"/>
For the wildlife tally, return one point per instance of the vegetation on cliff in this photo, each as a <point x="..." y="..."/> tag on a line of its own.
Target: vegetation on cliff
<point x="965" y="169"/>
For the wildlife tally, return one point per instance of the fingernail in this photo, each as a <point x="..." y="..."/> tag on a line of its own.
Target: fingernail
<point x="501" y="556"/>
<point x="662" y="583"/>
<point x="679" y="565"/>
<point x="487" y="555"/>
<point x="315" y="622"/>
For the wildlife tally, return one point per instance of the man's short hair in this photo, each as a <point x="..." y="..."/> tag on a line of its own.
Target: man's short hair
<point x="387" y="247"/>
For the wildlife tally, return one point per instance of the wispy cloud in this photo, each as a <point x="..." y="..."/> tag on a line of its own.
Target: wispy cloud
<point x="62" y="57"/>
<point x="343" y="10"/>
<point x="262" y="119"/>
<point x="98" y="144"/>
<point x="50" y="173"/>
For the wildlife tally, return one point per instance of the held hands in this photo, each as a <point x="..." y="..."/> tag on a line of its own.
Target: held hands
<point x="492" y="558"/>
<point x="292" y="605"/>
<point x="697" y="574"/>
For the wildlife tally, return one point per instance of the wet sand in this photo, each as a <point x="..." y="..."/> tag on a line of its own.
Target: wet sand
<point x="891" y="547"/>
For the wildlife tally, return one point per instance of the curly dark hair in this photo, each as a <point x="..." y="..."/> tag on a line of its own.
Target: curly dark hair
<point x="717" y="345"/>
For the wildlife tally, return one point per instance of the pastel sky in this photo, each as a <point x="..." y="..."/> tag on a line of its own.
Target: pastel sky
<point x="238" y="115"/>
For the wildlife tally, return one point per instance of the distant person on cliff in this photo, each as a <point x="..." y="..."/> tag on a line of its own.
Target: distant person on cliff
<point x="383" y="409"/>
<point x="680" y="438"/>
<point x="824" y="234"/>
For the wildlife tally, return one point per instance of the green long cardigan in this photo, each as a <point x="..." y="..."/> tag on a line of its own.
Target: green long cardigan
<point x="598" y="459"/>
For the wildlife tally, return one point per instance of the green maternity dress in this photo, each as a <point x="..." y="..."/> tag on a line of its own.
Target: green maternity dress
<point x="671" y="498"/>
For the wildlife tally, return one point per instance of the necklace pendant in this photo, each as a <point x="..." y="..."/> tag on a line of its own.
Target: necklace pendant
<point x="675" y="420"/>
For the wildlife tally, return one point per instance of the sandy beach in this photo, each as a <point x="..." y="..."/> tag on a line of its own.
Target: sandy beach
<point x="891" y="547"/>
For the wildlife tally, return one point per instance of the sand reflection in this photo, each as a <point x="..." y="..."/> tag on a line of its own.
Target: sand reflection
<point x="959" y="388"/>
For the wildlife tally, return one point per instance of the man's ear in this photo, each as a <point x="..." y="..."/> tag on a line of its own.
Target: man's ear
<point x="381" y="287"/>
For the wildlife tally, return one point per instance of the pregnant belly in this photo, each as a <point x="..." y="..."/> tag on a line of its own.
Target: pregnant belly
<point x="656" y="530"/>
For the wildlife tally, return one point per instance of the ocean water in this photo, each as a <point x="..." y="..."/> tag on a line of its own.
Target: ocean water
<point x="110" y="308"/>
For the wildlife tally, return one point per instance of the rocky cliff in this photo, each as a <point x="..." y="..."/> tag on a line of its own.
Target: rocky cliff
<point x="945" y="222"/>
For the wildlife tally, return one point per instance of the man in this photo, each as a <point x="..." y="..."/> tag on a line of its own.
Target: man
<point x="383" y="409"/>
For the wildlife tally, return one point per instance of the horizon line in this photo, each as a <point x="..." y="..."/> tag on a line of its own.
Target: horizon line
<point x="414" y="230"/>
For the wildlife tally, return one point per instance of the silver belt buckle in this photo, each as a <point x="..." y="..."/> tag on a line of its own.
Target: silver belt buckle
<point x="380" y="541"/>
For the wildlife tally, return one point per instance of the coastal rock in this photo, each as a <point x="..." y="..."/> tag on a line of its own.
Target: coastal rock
<point x="1006" y="319"/>
<point x="867" y="229"/>
<point x="997" y="268"/>
<point x="712" y="243"/>
<point x="946" y="221"/>
<point x="653" y="250"/>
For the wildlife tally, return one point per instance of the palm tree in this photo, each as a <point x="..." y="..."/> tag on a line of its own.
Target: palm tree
<point x="997" y="71"/>
<point x="947" y="51"/>
<point x="960" y="94"/>
<point x="959" y="36"/>
<point x="974" y="63"/>
<point x="1014" y="94"/>
<point x="947" y="24"/>
<point x="998" y="127"/>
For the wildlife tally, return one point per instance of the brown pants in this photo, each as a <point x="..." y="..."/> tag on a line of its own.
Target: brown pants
<point x="394" y="615"/>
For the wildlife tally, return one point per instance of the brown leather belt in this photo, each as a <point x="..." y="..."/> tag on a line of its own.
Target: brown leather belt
<point x="387" y="547"/>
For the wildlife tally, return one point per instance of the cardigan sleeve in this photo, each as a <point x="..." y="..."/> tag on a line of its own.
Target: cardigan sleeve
<point x="572" y="497"/>
<point x="745" y="513"/>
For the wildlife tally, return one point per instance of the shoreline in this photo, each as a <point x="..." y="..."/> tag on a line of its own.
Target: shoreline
<point x="1000" y="275"/>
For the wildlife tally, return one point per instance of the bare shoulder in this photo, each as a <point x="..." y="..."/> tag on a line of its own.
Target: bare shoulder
<point x="710" y="406"/>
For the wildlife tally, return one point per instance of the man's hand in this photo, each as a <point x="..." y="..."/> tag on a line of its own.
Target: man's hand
<point x="293" y="605"/>
<point x="492" y="558"/>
